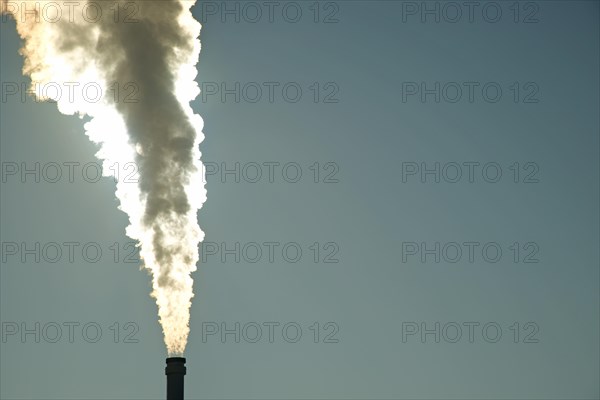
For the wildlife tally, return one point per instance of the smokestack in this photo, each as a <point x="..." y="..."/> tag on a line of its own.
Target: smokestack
<point x="175" y="371"/>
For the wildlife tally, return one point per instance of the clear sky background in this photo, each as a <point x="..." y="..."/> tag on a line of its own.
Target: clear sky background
<point x="363" y="130"/>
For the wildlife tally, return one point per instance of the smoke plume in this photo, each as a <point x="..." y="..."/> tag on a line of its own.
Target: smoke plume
<point x="141" y="55"/>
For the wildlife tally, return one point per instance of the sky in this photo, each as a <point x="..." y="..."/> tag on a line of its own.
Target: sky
<point x="401" y="205"/>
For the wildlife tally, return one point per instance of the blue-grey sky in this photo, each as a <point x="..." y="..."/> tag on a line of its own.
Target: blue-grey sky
<point x="393" y="106"/>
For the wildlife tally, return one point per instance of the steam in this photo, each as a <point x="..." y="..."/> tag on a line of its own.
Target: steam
<point x="142" y="55"/>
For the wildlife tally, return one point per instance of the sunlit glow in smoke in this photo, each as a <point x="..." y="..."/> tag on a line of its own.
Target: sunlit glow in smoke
<point x="142" y="56"/>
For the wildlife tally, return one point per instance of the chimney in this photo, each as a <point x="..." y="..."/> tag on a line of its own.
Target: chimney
<point x="175" y="371"/>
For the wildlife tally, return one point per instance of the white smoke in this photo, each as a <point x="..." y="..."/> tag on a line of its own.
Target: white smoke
<point x="142" y="54"/>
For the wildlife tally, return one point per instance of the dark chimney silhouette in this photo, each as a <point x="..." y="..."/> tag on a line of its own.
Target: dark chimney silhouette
<point x="175" y="371"/>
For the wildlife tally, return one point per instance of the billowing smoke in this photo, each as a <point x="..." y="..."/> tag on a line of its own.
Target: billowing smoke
<point x="141" y="56"/>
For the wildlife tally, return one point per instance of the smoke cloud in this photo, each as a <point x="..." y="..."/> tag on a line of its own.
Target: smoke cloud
<point x="142" y="55"/>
